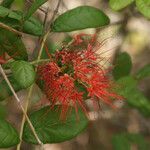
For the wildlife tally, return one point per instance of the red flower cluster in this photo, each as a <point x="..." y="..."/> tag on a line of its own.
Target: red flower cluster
<point x="77" y="62"/>
<point x="60" y="88"/>
<point x="2" y="60"/>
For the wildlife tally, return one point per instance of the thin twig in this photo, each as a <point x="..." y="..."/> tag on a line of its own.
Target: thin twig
<point x="54" y="14"/>
<point x="19" y="102"/>
<point x="42" y="9"/>
<point x="10" y="29"/>
<point x="40" y="37"/>
<point x="24" y="118"/>
<point x="42" y="45"/>
<point x="40" y="61"/>
<point x="48" y="30"/>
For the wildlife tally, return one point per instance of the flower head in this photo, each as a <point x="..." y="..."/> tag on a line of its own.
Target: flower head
<point x="79" y="62"/>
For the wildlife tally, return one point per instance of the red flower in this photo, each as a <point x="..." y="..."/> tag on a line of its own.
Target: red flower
<point x="2" y="60"/>
<point x="72" y="64"/>
<point x="60" y="89"/>
<point x="91" y="74"/>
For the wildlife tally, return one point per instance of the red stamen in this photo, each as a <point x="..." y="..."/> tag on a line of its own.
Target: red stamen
<point x="59" y="85"/>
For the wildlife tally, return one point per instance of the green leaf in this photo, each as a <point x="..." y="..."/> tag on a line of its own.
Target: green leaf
<point x="125" y="86"/>
<point x="51" y="129"/>
<point x="134" y="97"/>
<point x="143" y="73"/>
<point x="35" y="5"/>
<point x="120" y="142"/>
<point x="23" y="73"/>
<point x="8" y="135"/>
<point x="5" y="90"/>
<point x="144" y="7"/>
<point x="119" y="4"/>
<point x="80" y="18"/>
<point x="19" y="4"/>
<point x="2" y="52"/>
<point x="124" y="141"/>
<point x="10" y="22"/>
<point x="7" y="3"/>
<point x="33" y="26"/>
<point x="124" y="81"/>
<point x="30" y="26"/>
<point x="13" y="19"/>
<point x="67" y="39"/>
<point x="122" y="66"/>
<point x="3" y="111"/>
<point x="3" y="11"/>
<point x="12" y="44"/>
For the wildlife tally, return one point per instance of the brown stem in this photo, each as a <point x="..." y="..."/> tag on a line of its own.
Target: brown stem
<point x="10" y="29"/>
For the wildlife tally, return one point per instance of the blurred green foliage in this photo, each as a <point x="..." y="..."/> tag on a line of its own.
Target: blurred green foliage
<point x="125" y="141"/>
<point x="128" y="84"/>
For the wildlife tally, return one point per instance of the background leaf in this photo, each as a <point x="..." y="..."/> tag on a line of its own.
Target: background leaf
<point x="143" y="73"/>
<point x="3" y="111"/>
<point x="134" y="97"/>
<point x="80" y="18"/>
<point x="19" y="4"/>
<point x="119" y="4"/>
<point x="120" y="142"/>
<point x="12" y="44"/>
<point x="5" y="90"/>
<point x="7" y="3"/>
<point x="35" y="5"/>
<point x="122" y="65"/>
<point x="125" y="140"/>
<point x="144" y="7"/>
<point x="51" y="129"/>
<point x="3" y="11"/>
<point x="23" y="73"/>
<point x="8" y="135"/>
